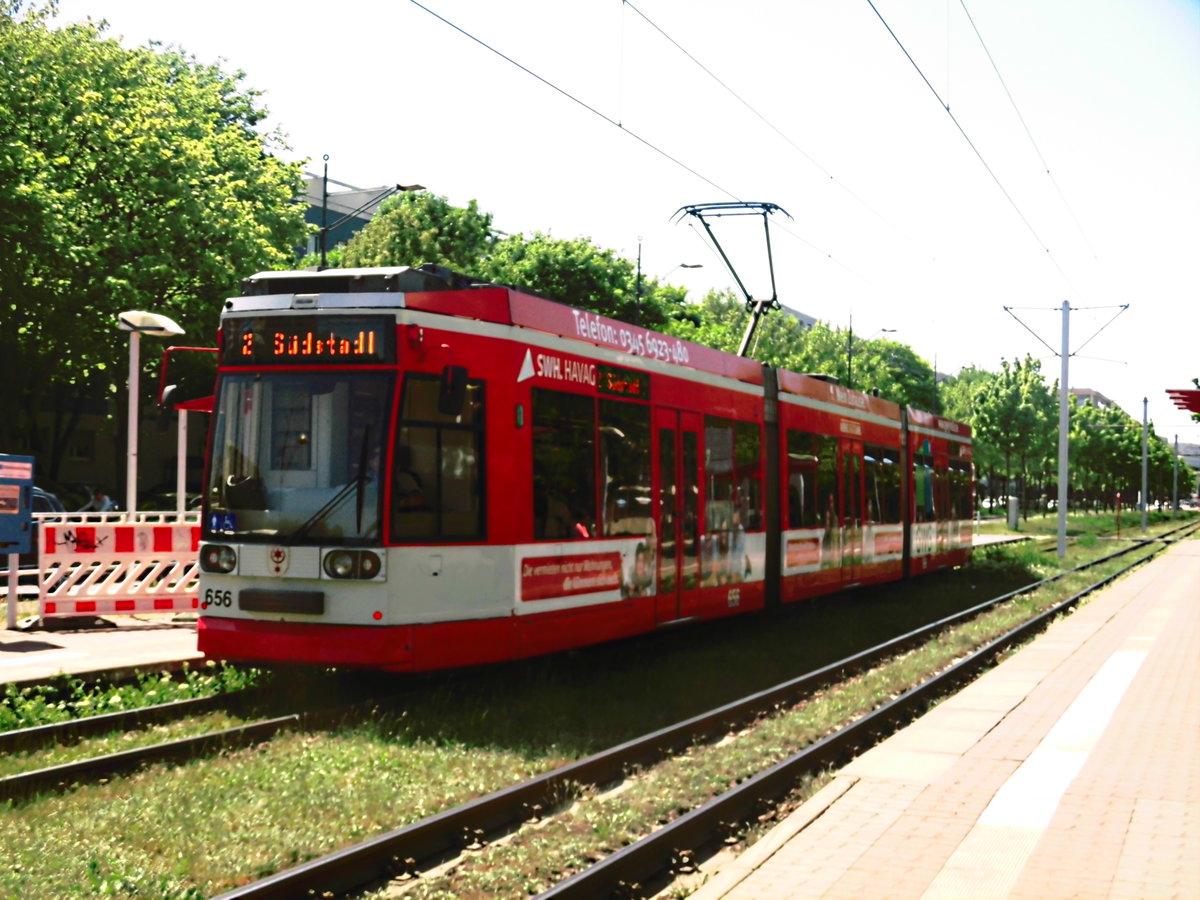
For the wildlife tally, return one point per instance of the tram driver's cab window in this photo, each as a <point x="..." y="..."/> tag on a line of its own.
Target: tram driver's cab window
<point x="437" y="464"/>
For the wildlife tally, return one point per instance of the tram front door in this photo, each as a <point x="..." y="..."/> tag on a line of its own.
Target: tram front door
<point x="677" y="512"/>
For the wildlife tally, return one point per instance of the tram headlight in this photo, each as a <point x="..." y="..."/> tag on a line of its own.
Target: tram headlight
<point x="362" y="564"/>
<point x="340" y="564"/>
<point x="218" y="558"/>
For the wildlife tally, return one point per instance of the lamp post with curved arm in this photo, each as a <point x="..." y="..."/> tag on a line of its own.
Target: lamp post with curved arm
<point x="138" y="323"/>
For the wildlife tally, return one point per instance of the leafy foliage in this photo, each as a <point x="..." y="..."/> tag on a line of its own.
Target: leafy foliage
<point x="130" y="179"/>
<point x="420" y="227"/>
<point x="579" y="273"/>
<point x="780" y="339"/>
<point x="1014" y="414"/>
<point x="71" y="698"/>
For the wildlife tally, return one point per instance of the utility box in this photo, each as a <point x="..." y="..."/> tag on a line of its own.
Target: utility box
<point x="16" y="504"/>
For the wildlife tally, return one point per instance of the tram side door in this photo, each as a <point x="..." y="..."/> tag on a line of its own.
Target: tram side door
<point x="677" y="512"/>
<point x="852" y="513"/>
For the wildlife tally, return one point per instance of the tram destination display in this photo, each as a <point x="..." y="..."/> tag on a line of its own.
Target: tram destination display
<point x="309" y="340"/>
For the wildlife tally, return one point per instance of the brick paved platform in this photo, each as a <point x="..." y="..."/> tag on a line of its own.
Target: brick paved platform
<point x="1072" y="770"/>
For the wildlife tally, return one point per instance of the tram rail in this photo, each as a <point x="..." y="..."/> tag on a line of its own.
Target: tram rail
<point x="58" y="777"/>
<point x="64" y="776"/>
<point x="696" y="834"/>
<point x="72" y="730"/>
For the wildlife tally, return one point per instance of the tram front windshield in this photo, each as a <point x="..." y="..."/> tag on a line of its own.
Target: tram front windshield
<point x="296" y="457"/>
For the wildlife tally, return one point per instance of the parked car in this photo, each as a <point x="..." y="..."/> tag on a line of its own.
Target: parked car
<point x="43" y="501"/>
<point x="71" y="495"/>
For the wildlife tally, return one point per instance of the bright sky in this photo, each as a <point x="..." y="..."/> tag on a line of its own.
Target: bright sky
<point x="897" y="219"/>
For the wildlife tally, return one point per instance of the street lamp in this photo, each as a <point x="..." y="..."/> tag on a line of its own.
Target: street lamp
<point x="138" y="323"/>
<point x="638" y="290"/>
<point x="682" y="266"/>
<point x="378" y="198"/>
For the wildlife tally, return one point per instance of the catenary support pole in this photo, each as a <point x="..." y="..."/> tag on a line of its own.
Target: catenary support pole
<point x="1175" y="482"/>
<point x="1145" y="458"/>
<point x="1063" y="429"/>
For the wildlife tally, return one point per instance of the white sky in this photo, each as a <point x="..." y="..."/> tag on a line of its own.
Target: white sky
<point x="896" y="221"/>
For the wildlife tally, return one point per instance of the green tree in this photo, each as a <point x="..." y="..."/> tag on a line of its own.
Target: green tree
<point x="1015" y="413"/>
<point x="895" y="371"/>
<point x="959" y="398"/>
<point x="419" y="227"/>
<point x="780" y="339"/>
<point x="579" y="273"/>
<point x="1105" y="453"/>
<point x="129" y="179"/>
<point x="718" y="320"/>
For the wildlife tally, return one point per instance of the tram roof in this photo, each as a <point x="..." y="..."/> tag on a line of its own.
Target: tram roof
<point x="440" y="290"/>
<point x="437" y="289"/>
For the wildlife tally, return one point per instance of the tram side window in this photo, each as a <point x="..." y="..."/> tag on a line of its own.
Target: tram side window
<point x="748" y="457"/>
<point x="925" y="509"/>
<point x="564" y="465"/>
<point x="827" y="481"/>
<point x="625" y="501"/>
<point x="882" y="472"/>
<point x="960" y="489"/>
<point x="941" y="487"/>
<point x="802" y="504"/>
<point x="718" y="473"/>
<point x="437" y="465"/>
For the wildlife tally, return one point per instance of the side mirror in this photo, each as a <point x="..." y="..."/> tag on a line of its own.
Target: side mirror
<point x="452" y="392"/>
<point x="187" y="378"/>
<point x="166" y="406"/>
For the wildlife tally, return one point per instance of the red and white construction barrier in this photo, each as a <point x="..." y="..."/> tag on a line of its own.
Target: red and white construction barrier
<point x="121" y="568"/>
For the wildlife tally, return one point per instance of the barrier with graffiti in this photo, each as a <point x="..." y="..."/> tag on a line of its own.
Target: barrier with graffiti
<point x="105" y="565"/>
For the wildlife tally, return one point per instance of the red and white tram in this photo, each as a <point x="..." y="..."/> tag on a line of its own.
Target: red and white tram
<point x="410" y="471"/>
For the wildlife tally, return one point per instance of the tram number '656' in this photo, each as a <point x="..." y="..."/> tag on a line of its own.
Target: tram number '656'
<point x="735" y="597"/>
<point x="214" y="597"/>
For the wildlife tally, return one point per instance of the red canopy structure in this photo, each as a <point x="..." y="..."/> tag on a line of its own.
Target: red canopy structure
<point x="1186" y="398"/>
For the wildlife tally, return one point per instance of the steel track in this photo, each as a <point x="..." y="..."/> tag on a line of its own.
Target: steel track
<point x="422" y="844"/>
<point x="67" y="775"/>
<point x="652" y="862"/>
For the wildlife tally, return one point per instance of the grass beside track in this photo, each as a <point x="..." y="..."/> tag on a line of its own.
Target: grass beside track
<point x="195" y="830"/>
<point x="69" y="697"/>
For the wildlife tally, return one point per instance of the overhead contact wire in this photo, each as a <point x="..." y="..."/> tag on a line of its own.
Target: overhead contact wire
<point x="1028" y="133"/>
<point x="576" y="100"/>
<point x="764" y="120"/>
<point x="615" y="123"/>
<point x="971" y="144"/>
